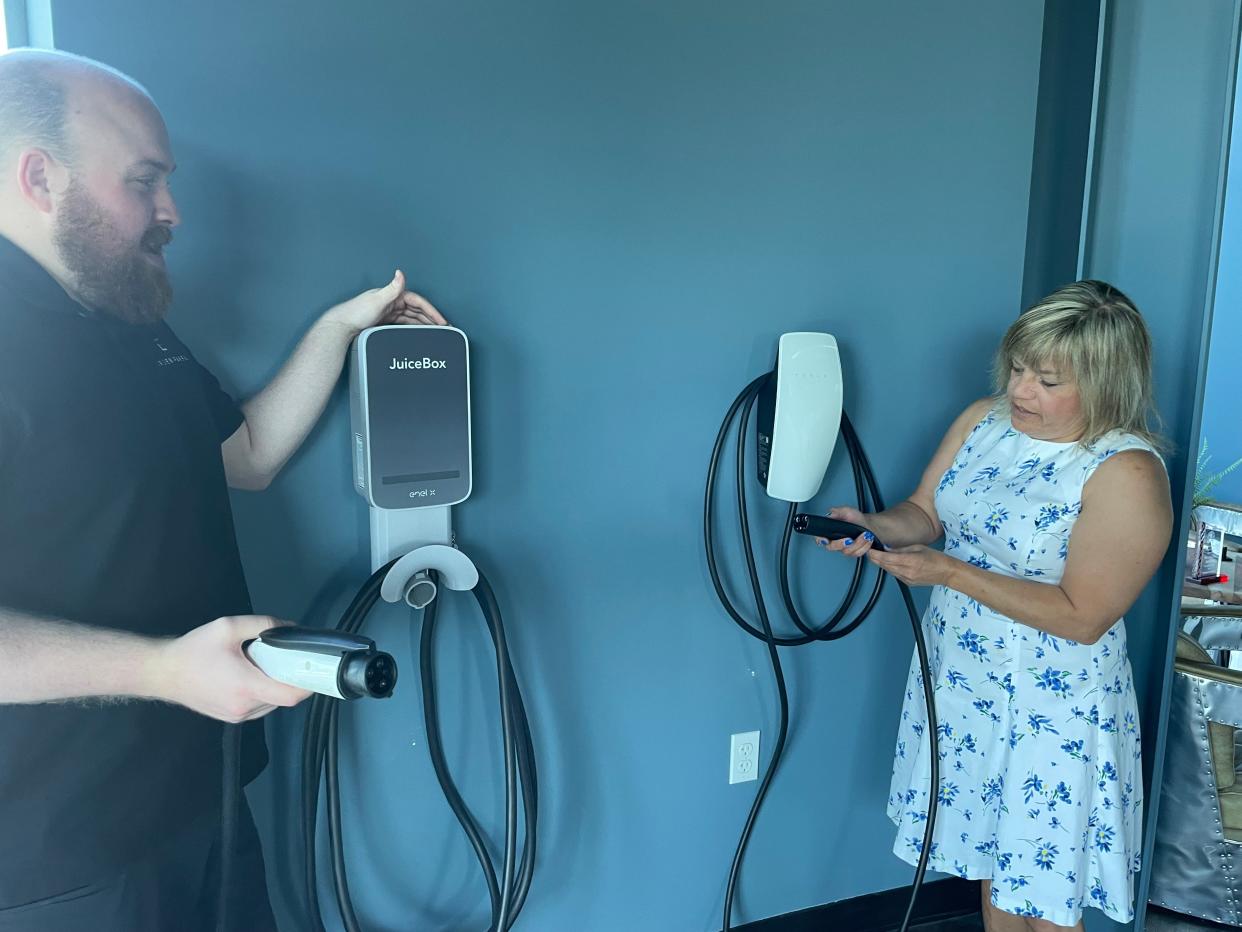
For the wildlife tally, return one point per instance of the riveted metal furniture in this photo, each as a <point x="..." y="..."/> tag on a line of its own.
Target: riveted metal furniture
<point x="1197" y="863"/>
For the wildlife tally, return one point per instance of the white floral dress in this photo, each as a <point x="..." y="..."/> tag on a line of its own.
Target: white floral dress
<point x="1040" y="775"/>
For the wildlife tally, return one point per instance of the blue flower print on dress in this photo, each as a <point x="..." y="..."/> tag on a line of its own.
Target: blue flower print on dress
<point x="1039" y="723"/>
<point x="972" y="643"/>
<point x="1054" y="681"/>
<point x="997" y="515"/>
<point x="1045" y="855"/>
<point x="953" y="679"/>
<point x="947" y="480"/>
<point x="1048" y="516"/>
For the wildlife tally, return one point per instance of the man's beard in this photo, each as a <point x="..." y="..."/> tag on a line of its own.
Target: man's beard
<point x="107" y="274"/>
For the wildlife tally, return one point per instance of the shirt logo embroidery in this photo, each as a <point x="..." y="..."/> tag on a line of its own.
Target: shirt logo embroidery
<point x="168" y="360"/>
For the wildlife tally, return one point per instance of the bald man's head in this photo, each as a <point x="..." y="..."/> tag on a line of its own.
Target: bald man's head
<point x="38" y="91"/>
<point x="84" y="166"/>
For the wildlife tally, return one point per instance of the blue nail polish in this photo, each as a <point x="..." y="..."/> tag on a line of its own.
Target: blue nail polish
<point x="849" y="542"/>
<point x="868" y="536"/>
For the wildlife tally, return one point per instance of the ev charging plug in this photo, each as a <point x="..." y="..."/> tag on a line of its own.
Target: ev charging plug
<point x="831" y="528"/>
<point x="344" y="666"/>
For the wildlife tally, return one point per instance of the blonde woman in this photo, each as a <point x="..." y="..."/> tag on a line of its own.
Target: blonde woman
<point x="1054" y="505"/>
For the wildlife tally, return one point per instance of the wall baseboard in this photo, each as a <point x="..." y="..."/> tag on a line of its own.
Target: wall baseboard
<point x="878" y="912"/>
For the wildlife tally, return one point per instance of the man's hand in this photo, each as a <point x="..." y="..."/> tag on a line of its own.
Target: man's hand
<point x="389" y="304"/>
<point x="279" y="417"/>
<point x="206" y="670"/>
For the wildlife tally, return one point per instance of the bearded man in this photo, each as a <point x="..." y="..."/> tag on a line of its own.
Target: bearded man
<point x="123" y="605"/>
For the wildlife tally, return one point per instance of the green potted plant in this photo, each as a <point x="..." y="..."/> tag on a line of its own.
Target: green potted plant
<point x="1204" y="483"/>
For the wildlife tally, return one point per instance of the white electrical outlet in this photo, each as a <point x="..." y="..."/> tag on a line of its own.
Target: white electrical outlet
<point x="744" y="757"/>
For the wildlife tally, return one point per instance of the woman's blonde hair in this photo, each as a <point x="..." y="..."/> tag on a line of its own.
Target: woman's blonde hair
<point x="1094" y="334"/>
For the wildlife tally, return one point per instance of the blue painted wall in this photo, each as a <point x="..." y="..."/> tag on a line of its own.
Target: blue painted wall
<point x="1164" y="116"/>
<point x="1222" y="400"/>
<point x="624" y="205"/>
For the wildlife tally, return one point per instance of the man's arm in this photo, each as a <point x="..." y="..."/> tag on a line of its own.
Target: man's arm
<point x="50" y="660"/>
<point x="280" y="416"/>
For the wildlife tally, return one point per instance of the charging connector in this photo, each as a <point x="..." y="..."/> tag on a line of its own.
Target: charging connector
<point x="831" y="529"/>
<point x="344" y="666"/>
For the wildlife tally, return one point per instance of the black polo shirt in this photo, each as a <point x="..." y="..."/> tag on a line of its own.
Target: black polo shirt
<point x="114" y="512"/>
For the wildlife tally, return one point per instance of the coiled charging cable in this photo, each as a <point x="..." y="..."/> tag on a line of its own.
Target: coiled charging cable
<point x="869" y="499"/>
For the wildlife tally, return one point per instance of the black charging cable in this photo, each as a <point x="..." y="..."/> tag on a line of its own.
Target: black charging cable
<point x="508" y="887"/>
<point x="230" y="811"/>
<point x="869" y="499"/>
<point x="508" y="893"/>
<point x="319" y="734"/>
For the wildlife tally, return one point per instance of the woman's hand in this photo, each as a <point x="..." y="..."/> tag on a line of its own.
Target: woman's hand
<point x="850" y="547"/>
<point x="915" y="566"/>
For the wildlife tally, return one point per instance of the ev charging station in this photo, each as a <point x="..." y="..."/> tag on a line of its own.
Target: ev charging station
<point x="799" y="416"/>
<point x="411" y="452"/>
<point x="409" y="405"/>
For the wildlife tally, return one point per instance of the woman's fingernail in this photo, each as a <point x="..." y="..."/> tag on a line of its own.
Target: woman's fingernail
<point x="868" y="536"/>
<point x="849" y="542"/>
